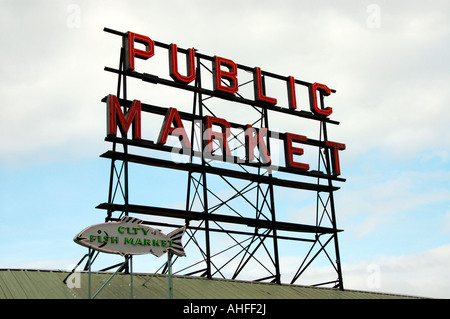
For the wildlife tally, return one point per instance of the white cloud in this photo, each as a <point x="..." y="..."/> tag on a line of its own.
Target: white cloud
<point x="423" y="274"/>
<point x="390" y="80"/>
<point x="446" y="222"/>
<point x="369" y="201"/>
<point x="392" y="91"/>
<point x="66" y="264"/>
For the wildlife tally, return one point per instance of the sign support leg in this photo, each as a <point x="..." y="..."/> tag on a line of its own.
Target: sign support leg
<point x="131" y="276"/>
<point x="110" y="278"/>
<point x="169" y="265"/>
<point x="89" y="276"/>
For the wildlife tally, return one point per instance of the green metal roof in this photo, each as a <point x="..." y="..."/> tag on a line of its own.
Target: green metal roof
<point x="48" y="284"/>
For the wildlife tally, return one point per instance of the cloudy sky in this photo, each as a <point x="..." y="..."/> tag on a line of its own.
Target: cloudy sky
<point x="387" y="60"/>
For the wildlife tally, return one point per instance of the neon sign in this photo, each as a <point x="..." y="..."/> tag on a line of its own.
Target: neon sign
<point x="226" y="84"/>
<point x="211" y="141"/>
<point x="130" y="237"/>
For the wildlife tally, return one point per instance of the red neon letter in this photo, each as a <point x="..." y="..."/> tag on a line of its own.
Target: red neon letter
<point x="290" y="151"/>
<point x="313" y="99"/>
<point x="114" y="112"/>
<point x="259" y="94"/>
<point x="131" y="52"/>
<point x="221" y="136"/>
<point x="335" y="155"/>
<point x="291" y="93"/>
<point x="220" y="74"/>
<point x="173" y="117"/>
<point x="252" y="142"/>
<point x="173" y="65"/>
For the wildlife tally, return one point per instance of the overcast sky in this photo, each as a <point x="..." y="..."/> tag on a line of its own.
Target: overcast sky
<point x="387" y="60"/>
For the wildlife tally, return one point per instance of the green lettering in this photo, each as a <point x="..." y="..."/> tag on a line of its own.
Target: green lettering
<point x="147" y="242"/>
<point x="138" y="241"/>
<point x="92" y="238"/>
<point x="164" y="243"/>
<point x="120" y="229"/>
<point x="155" y="243"/>
<point x="170" y="243"/>
<point x="128" y="241"/>
<point x="134" y="231"/>
<point x="114" y="240"/>
<point x="145" y="231"/>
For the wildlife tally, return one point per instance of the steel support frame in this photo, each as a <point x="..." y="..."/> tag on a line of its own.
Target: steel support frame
<point x="256" y="241"/>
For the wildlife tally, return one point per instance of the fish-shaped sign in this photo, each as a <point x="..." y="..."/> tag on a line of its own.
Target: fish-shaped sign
<point x="131" y="237"/>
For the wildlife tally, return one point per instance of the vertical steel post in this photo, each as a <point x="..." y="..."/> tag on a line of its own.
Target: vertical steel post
<point x="194" y="107"/>
<point x="205" y="187"/>
<point x="111" y="173"/>
<point x="89" y="274"/>
<point x="272" y="197"/>
<point x="169" y="278"/>
<point x="125" y="146"/>
<point x="340" y="284"/>
<point x="131" y="276"/>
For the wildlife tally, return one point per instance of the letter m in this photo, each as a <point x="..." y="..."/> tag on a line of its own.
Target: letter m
<point x="116" y="117"/>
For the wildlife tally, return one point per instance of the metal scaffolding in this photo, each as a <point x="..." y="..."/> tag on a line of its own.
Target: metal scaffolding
<point x="233" y="227"/>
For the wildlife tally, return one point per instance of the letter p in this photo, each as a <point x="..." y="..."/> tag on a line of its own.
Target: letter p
<point x="131" y="52"/>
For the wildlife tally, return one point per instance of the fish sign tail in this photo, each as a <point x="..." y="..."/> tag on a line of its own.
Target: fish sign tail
<point x="175" y="237"/>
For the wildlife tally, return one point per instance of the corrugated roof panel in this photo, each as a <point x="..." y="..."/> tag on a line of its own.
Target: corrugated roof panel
<point x="30" y="284"/>
<point x="38" y="284"/>
<point x="6" y="287"/>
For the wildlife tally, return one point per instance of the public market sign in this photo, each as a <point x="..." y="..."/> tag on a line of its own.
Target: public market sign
<point x="226" y="119"/>
<point x="226" y="85"/>
<point x="131" y="237"/>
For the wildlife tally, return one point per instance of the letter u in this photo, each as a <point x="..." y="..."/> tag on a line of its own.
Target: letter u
<point x="173" y="65"/>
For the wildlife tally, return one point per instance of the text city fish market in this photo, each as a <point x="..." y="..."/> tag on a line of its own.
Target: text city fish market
<point x="173" y="124"/>
<point x="131" y="240"/>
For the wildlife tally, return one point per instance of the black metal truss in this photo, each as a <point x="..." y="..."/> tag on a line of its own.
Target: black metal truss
<point x="254" y="235"/>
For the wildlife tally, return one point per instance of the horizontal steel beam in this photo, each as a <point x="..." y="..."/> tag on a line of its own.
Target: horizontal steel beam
<point x="217" y="230"/>
<point x="211" y="58"/>
<point x="192" y="215"/>
<point x="197" y="168"/>
<point x="146" y="77"/>
<point x="230" y="159"/>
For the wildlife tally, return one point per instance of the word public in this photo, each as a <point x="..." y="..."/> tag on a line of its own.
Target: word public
<point x="224" y="70"/>
<point x="225" y="74"/>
